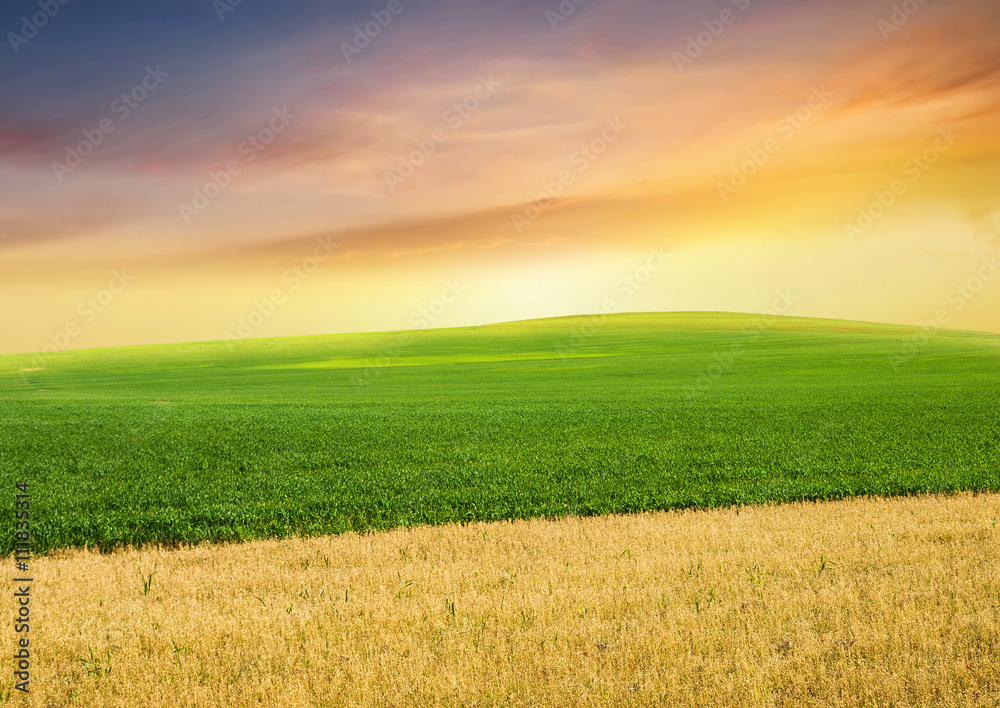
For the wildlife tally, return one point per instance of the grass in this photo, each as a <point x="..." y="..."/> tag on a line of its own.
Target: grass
<point x="863" y="602"/>
<point x="316" y="435"/>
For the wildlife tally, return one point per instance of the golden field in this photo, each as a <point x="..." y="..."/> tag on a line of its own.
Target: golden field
<point x="868" y="602"/>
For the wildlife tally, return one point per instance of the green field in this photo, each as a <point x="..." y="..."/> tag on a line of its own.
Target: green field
<point x="310" y="435"/>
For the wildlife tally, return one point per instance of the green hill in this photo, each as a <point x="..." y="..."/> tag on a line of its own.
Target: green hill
<point x="254" y="438"/>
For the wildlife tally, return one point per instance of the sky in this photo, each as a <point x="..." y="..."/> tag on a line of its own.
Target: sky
<point x="188" y="170"/>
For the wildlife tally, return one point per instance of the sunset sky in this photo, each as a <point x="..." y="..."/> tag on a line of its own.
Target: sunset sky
<point x="169" y="168"/>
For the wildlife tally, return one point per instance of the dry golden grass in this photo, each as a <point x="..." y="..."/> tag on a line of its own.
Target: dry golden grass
<point x="713" y="608"/>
